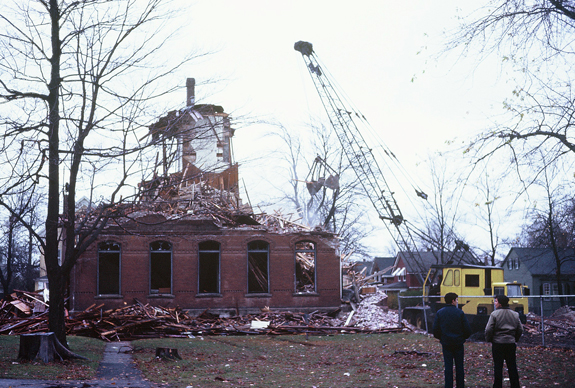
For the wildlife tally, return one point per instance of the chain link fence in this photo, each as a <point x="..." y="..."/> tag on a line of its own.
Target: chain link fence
<point x="542" y="306"/>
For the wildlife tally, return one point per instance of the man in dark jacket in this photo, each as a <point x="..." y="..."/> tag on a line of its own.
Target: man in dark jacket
<point x="452" y="329"/>
<point x="503" y="330"/>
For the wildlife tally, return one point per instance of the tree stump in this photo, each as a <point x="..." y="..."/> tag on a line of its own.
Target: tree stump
<point x="43" y="347"/>
<point x="167" y="354"/>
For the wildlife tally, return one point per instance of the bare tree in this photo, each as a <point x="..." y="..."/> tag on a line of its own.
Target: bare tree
<point x="441" y="214"/>
<point x="77" y="79"/>
<point x="322" y="189"/>
<point x="17" y="247"/>
<point x="486" y="206"/>
<point x="536" y="38"/>
<point x="552" y="225"/>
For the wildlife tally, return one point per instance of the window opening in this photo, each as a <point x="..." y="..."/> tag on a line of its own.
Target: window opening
<point x="258" y="265"/>
<point x="305" y="264"/>
<point x="513" y="290"/>
<point x="498" y="291"/>
<point x="457" y="278"/>
<point x="471" y="280"/>
<point x="109" y="268"/>
<point x="160" y="267"/>
<point x="516" y="264"/>
<point x="209" y="267"/>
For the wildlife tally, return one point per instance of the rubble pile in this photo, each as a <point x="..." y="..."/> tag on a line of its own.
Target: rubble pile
<point x="565" y="313"/>
<point x="372" y="314"/>
<point x="560" y="324"/>
<point x="197" y="201"/>
<point x="145" y="321"/>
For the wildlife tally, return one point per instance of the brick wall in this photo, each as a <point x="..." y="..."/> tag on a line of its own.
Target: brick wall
<point x="233" y="296"/>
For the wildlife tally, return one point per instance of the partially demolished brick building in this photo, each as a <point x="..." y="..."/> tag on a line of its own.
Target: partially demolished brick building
<point x="190" y="242"/>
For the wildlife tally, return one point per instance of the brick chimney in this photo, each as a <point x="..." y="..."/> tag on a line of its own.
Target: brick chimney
<point x="191" y="94"/>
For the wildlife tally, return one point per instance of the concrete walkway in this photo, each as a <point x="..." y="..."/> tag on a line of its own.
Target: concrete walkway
<point x="116" y="370"/>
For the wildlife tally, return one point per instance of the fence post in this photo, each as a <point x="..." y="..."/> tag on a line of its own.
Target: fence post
<point x="542" y="325"/>
<point x="424" y="313"/>
<point x="399" y="308"/>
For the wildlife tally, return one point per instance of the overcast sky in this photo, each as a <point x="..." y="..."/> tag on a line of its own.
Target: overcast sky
<point x="383" y="54"/>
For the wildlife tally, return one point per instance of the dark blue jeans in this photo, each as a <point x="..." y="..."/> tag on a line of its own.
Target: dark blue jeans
<point x="504" y="352"/>
<point x="451" y="354"/>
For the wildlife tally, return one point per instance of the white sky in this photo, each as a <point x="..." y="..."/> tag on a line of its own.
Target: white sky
<point x="382" y="54"/>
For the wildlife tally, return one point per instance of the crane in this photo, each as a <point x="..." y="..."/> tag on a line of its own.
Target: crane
<point x="359" y="154"/>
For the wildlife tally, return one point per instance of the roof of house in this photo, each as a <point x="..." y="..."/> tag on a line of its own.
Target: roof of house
<point x="429" y="258"/>
<point x="541" y="261"/>
<point x="395" y="286"/>
<point x="381" y="263"/>
<point x="359" y="266"/>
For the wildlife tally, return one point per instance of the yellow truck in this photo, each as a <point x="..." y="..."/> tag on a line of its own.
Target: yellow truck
<point x="476" y="286"/>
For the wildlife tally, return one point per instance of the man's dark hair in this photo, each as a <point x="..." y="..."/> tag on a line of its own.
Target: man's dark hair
<point x="503" y="300"/>
<point x="450" y="297"/>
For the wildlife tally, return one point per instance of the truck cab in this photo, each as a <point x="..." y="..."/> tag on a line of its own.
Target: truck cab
<point x="476" y="286"/>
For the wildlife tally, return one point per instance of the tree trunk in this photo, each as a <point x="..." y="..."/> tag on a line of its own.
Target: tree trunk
<point x="57" y="311"/>
<point x="167" y="353"/>
<point x="43" y="347"/>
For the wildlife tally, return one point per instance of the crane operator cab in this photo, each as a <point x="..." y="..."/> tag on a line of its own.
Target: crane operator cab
<point x="476" y="286"/>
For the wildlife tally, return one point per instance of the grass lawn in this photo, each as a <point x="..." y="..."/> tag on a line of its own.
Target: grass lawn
<point x="358" y="360"/>
<point x="90" y="348"/>
<point x="351" y="360"/>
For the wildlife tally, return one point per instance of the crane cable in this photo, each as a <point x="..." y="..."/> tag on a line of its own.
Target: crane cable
<point x="383" y="151"/>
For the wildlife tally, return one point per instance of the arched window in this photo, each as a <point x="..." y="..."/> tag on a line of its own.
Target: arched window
<point x="258" y="267"/>
<point x="160" y="267"/>
<point x="305" y="265"/>
<point x="109" y="268"/>
<point x="209" y="267"/>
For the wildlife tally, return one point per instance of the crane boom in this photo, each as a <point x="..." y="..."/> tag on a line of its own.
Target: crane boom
<point x="359" y="155"/>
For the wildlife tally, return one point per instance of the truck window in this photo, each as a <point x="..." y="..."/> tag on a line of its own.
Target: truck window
<point x="471" y="280"/>
<point x="456" y="278"/>
<point x="448" y="278"/>
<point x="498" y="290"/>
<point x="513" y="290"/>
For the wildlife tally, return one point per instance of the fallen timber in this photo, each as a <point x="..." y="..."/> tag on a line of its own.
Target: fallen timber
<point x="144" y="321"/>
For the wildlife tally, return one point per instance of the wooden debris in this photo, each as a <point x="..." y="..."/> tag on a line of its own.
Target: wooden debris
<point x="413" y="352"/>
<point x="144" y="321"/>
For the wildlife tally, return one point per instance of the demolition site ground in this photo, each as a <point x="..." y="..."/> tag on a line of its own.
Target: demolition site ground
<point x="367" y="347"/>
<point x="343" y="360"/>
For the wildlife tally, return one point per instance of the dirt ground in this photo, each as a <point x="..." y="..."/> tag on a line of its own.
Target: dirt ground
<point x="557" y="341"/>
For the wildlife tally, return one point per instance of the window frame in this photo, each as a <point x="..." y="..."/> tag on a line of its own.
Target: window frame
<point x="98" y="269"/>
<point x="472" y="280"/>
<point x="153" y="271"/>
<point x="546" y="287"/>
<point x="209" y="252"/>
<point x="297" y="250"/>
<point x="448" y="278"/>
<point x="248" y="266"/>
